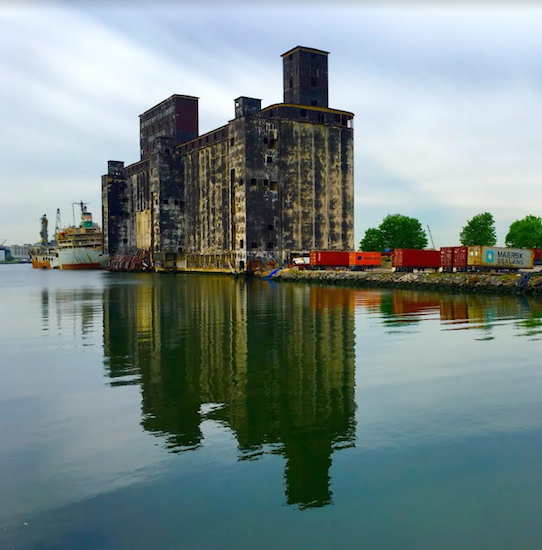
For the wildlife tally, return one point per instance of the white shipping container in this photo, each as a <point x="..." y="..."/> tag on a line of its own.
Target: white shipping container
<point x="493" y="256"/>
<point x="2" y="255"/>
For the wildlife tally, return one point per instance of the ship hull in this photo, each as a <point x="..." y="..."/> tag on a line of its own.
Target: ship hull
<point x="39" y="262"/>
<point x="71" y="259"/>
<point x="45" y="260"/>
<point x="82" y="258"/>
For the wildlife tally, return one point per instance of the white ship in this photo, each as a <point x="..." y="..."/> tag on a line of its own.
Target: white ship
<point x="75" y="247"/>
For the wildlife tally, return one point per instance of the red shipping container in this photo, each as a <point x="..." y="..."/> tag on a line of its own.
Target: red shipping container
<point x="416" y="259"/>
<point x="329" y="258"/>
<point x="365" y="258"/>
<point x="460" y="256"/>
<point x="447" y="258"/>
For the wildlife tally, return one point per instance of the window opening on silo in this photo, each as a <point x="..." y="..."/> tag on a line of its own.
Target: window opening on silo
<point x="270" y="227"/>
<point x="232" y="141"/>
<point x="253" y="245"/>
<point x="241" y="243"/>
<point x="303" y="113"/>
<point x="269" y="160"/>
<point x="266" y="140"/>
<point x="165" y="201"/>
<point x="272" y="143"/>
<point x="253" y="181"/>
<point x="314" y="103"/>
<point x="274" y="186"/>
<point x="270" y="246"/>
<point x="266" y="182"/>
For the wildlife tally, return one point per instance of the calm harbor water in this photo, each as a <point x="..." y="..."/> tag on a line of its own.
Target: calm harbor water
<point x="203" y="412"/>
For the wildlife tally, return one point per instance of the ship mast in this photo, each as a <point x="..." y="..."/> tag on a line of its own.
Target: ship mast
<point x="58" y="223"/>
<point x="82" y="205"/>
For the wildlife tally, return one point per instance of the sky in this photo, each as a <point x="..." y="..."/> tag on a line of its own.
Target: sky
<point x="447" y="100"/>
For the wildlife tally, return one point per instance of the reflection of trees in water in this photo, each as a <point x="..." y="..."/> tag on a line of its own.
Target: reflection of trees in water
<point x="282" y="365"/>
<point x="530" y="325"/>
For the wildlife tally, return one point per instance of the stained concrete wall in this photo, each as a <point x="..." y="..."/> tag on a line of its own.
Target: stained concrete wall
<point x="249" y="195"/>
<point x="207" y="182"/>
<point x="317" y="187"/>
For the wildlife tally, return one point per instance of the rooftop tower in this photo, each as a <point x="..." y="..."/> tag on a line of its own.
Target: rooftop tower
<point x="305" y="76"/>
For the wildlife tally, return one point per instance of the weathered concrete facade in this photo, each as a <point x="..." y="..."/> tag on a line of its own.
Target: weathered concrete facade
<point x="271" y="184"/>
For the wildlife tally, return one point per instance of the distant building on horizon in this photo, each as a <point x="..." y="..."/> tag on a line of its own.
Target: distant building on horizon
<point x="269" y="185"/>
<point x="20" y="251"/>
<point x="5" y="253"/>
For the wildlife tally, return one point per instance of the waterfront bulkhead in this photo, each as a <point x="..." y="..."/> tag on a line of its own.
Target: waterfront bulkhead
<point x="271" y="184"/>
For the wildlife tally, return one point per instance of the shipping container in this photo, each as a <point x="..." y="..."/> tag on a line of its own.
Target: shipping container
<point x="406" y="259"/>
<point x="537" y="256"/>
<point x="453" y="258"/>
<point x="460" y="257"/>
<point x="500" y="258"/>
<point x="364" y="259"/>
<point x="329" y="258"/>
<point x="447" y="258"/>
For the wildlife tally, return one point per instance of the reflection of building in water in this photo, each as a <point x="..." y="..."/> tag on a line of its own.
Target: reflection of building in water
<point x="279" y="359"/>
<point x="283" y="370"/>
<point x="185" y="342"/>
<point x="300" y="383"/>
<point x="77" y="308"/>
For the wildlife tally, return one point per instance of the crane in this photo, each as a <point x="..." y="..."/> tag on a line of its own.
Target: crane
<point x="43" y="233"/>
<point x="431" y="237"/>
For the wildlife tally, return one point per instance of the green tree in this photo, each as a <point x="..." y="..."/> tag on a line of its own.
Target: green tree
<point x="372" y="241"/>
<point x="479" y="230"/>
<point x="525" y="233"/>
<point x="400" y="231"/>
<point x="395" y="231"/>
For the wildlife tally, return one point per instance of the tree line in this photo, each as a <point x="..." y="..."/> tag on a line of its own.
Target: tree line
<point x="398" y="231"/>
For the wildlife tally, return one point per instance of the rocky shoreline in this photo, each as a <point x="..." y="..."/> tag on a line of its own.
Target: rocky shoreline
<point x="509" y="283"/>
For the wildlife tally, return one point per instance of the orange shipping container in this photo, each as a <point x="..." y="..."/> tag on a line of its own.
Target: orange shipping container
<point x="365" y="258"/>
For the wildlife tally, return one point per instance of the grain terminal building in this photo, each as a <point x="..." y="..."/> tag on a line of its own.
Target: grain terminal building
<point x="271" y="184"/>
